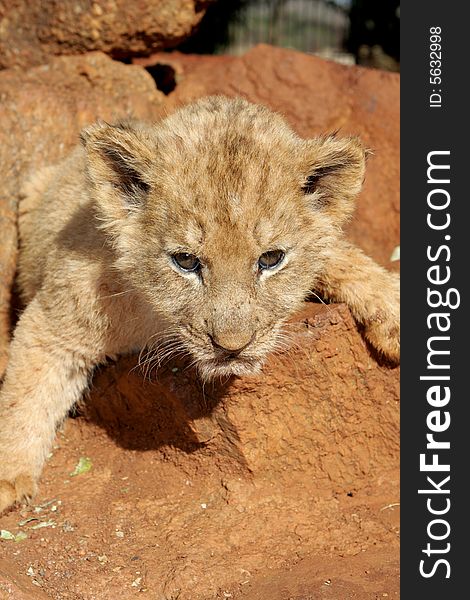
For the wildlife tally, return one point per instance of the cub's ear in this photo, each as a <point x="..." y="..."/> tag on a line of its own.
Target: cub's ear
<point x="119" y="165"/>
<point x="334" y="172"/>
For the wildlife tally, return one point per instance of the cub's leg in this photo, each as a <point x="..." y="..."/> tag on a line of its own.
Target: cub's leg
<point x="44" y="377"/>
<point x="371" y="292"/>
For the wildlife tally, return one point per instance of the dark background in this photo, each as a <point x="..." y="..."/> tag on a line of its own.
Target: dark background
<point x="351" y="31"/>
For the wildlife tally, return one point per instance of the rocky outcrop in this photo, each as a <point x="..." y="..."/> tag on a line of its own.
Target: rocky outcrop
<point x="324" y="407"/>
<point x="32" y="32"/>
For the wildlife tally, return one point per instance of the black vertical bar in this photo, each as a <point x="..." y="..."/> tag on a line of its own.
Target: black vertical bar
<point x="434" y="108"/>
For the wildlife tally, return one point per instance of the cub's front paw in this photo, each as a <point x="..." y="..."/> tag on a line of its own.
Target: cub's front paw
<point x="384" y="335"/>
<point x="21" y="489"/>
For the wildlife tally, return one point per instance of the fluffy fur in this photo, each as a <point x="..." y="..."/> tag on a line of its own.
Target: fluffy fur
<point x="221" y="180"/>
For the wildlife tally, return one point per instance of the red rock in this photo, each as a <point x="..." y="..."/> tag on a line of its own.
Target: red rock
<point x="325" y="409"/>
<point x="32" y="32"/>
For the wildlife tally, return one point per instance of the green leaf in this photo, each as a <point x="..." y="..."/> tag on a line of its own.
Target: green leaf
<point x="44" y="524"/>
<point x="6" y="535"/>
<point x="83" y="466"/>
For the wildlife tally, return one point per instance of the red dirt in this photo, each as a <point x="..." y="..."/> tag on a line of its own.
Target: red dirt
<point x="279" y="486"/>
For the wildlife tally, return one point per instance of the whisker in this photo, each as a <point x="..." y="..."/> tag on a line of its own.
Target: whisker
<point x="157" y="358"/>
<point x="117" y="294"/>
<point x="321" y="300"/>
<point x="155" y="344"/>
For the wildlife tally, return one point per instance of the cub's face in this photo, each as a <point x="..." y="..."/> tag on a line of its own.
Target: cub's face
<point x="223" y="218"/>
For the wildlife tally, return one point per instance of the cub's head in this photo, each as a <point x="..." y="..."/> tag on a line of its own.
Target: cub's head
<point x="223" y="217"/>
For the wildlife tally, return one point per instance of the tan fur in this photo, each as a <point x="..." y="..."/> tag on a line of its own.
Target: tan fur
<point x="221" y="179"/>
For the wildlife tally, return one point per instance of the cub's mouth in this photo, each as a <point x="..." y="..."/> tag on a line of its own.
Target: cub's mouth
<point x="226" y="367"/>
<point x="215" y="361"/>
<point x="211" y="360"/>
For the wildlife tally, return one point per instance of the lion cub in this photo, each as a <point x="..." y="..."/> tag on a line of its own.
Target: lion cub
<point x="200" y="234"/>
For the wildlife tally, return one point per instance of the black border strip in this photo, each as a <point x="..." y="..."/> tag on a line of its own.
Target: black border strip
<point x="428" y="128"/>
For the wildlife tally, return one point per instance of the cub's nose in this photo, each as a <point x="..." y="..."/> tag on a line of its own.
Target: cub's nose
<point x="230" y="347"/>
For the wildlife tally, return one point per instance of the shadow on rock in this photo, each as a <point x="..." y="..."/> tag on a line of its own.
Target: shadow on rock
<point x="139" y="414"/>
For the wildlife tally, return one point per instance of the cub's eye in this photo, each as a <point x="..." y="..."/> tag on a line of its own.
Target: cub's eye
<point x="186" y="262"/>
<point x="271" y="259"/>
